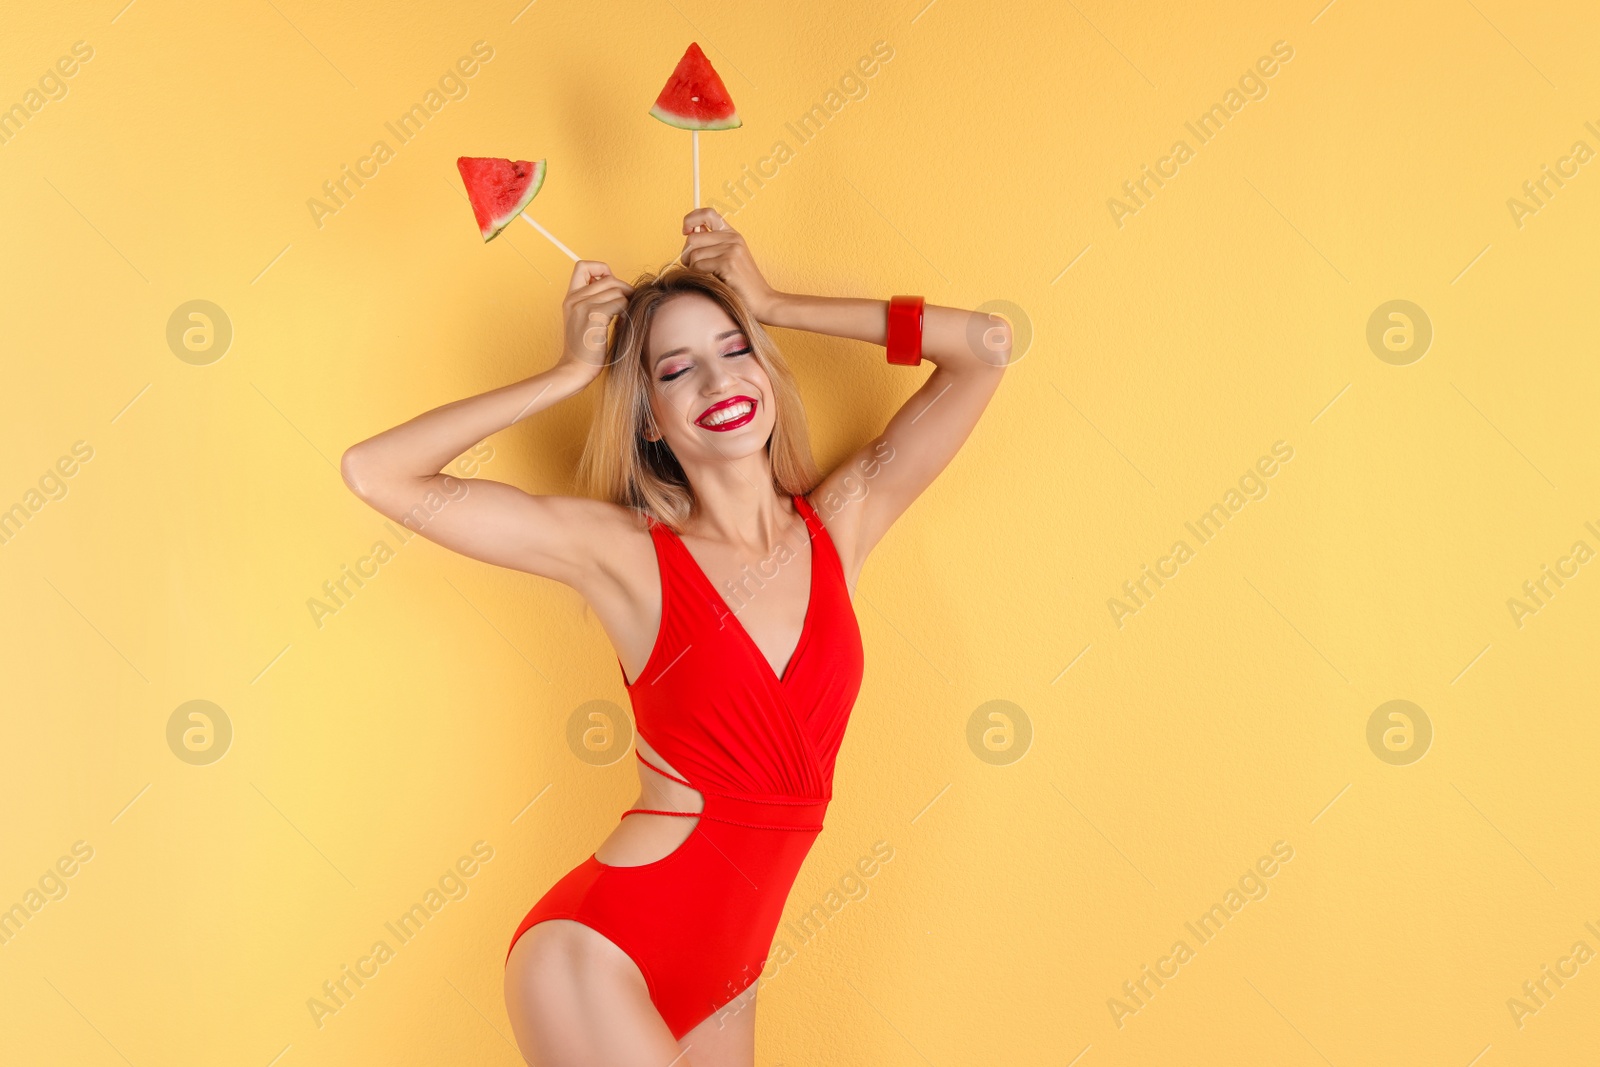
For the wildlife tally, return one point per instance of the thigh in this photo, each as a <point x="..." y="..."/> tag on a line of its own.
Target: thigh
<point x="576" y="1000"/>
<point x="728" y="1037"/>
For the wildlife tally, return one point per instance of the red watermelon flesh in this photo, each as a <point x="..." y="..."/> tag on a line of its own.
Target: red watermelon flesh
<point x="499" y="189"/>
<point x="695" y="98"/>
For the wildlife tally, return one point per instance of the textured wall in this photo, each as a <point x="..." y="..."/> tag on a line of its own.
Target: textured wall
<point x="1392" y="483"/>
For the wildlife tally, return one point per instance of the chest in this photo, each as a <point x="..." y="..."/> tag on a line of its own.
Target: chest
<point x="769" y="595"/>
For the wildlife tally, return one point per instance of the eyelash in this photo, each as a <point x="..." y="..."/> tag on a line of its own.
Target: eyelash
<point x="726" y="355"/>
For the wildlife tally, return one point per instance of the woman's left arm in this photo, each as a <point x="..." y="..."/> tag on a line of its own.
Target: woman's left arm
<point x="862" y="497"/>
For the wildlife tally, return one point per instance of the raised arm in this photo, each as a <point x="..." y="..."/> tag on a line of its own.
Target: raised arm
<point x="399" y="471"/>
<point x="880" y="480"/>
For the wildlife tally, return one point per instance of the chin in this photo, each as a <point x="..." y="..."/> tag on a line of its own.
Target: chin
<point x="734" y="445"/>
<point x="742" y="444"/>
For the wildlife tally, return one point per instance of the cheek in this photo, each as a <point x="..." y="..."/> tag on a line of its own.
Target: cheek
<point x="670" y="409"/>
<point x="758" y="378"/>
<point x="667" y="399"/>
<point x="661" y="411"/>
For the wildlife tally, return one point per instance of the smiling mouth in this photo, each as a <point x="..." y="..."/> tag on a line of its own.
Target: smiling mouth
<point x="730" y="414"/>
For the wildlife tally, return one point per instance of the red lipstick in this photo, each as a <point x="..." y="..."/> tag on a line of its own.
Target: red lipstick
<point x="717" y="417"/>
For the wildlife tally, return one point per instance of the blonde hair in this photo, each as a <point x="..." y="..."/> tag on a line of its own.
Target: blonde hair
<point x="620" y="465"/>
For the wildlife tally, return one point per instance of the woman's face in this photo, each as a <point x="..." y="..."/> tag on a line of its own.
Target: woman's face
<point x="711" y="398"/>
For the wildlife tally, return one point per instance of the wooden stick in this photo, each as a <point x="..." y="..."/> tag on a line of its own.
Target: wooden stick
<point x="551" y="236"/>
<point x="694" y="136"/>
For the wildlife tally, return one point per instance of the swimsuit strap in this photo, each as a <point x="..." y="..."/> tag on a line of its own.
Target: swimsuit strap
<point x="717" y="818"/>
<point x="819" y="535"/>
<point x="664" y="774"/>
<point x="655" y="811"/>
<point x="807" y="512"/>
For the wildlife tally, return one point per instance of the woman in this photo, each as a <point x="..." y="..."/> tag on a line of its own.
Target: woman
<point x="721" y="568"/>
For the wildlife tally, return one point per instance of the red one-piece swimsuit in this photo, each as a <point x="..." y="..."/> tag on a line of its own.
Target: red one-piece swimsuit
<point x="760" y="748"/>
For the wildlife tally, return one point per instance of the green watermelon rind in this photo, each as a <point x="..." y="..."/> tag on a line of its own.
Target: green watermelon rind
<point x="688" y="122"/>
<point x="527" y="198"/>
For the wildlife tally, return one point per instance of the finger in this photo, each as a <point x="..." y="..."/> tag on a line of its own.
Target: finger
<point x="718" y="267"/>
<point x="611" y="299"/>
<point x="606" y="285"/>
<point x="585" y="271"/>
<point x="705" y="216"/>
<point x="603" y="314"/>
<point x="701" y="243"/>
<point x="603" y="292"/>
<point x="695" y="256"/>
<point x="706" y="257"/>
<point x="713" y="237"/>
<point x="607" y="295"/>
<point x="602" y="309"/>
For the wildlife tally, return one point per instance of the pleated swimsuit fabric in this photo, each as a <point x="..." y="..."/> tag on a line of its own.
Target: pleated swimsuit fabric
<point x="760" y="748"/>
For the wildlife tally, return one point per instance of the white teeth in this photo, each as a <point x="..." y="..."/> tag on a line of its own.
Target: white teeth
<point x="738" y="411"/>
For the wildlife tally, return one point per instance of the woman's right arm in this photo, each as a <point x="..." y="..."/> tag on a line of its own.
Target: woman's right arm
<point x="399" y="472"/>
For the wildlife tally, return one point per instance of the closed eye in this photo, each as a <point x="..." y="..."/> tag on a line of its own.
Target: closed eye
<point x="745" y="351"/>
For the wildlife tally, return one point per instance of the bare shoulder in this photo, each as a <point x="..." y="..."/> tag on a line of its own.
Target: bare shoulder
<point x="613" y="540"/>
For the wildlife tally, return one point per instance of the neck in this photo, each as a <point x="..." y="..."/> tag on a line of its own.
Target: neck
<point x="735" y="503"/>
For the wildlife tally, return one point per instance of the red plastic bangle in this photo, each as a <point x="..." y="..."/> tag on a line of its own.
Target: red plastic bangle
<point x="904" y="338"/>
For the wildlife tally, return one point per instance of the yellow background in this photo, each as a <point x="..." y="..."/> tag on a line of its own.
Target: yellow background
<point x="1231" y="712"/>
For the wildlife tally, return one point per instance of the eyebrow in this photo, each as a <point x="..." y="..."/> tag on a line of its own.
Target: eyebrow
<point x="684" y="348"/>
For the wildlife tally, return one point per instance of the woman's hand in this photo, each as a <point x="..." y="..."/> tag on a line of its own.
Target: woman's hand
<point x="593" y="299"/>
<point x="715" y="246"/>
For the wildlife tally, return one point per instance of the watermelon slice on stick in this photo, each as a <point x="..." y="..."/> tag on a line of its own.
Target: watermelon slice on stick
<point x="695" y="99"/>
<point x="502" y="189"/>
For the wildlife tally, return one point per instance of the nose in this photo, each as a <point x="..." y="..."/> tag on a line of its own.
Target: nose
<point x="719" y="378"/>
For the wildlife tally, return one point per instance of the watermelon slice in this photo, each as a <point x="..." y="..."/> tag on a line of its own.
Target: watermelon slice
<point x="695" y="98"/>
<point x="499" y="189"/>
